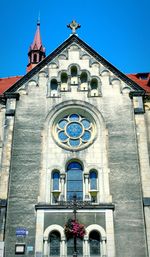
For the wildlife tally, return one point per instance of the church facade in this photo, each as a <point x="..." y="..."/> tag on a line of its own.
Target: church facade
<point x="75" y="176"/>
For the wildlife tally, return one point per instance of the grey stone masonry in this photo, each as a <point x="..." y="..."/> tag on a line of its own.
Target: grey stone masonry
<point x="113" y="152"/>
<point x="24" y="174"/>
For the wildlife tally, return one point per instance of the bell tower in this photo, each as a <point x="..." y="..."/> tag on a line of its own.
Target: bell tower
<point x="36" y="50"/>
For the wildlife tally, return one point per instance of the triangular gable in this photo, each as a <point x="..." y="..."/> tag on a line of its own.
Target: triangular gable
<point x="64" y="45"/>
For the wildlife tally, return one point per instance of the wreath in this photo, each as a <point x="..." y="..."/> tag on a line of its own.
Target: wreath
<point x="73" y="228"/>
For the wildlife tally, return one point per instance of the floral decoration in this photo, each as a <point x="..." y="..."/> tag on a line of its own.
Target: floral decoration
<point x="74" y="229"/>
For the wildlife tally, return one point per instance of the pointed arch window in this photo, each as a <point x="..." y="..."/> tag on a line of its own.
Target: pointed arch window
<point x="94" y="243"/>
<point x="54" y="243"/>
<point x="74" y="180"/>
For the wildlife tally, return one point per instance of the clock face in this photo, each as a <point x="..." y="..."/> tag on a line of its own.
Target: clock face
<point x="74" y="131"/>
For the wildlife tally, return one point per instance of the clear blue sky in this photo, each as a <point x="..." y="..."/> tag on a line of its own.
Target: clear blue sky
<point x="119" y="30"/>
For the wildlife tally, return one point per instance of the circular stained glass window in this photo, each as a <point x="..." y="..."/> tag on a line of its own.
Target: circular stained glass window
<point x="74" y="131"/>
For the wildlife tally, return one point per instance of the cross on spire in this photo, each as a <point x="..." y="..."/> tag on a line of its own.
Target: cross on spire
<point x="74" y="26"/>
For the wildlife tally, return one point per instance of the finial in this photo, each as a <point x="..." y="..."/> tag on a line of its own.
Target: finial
<point x="38" y="21"/>
<point x="74" y="26"/>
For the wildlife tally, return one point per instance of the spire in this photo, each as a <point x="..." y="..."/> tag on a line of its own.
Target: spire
<point x="36" y="51"/>
<point x="37" y="42"/>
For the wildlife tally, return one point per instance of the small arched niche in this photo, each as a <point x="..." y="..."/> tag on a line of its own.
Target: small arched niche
<point x="84" y="81"/>
<point x="64" y="82"/>
<point x="94" y="87"/>
<point x="54" y="88"/>
<point x="74" y="75"/>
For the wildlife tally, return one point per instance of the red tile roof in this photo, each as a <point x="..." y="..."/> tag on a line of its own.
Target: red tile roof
<point x="142" y="79"/>
<point x="6" y="83"/>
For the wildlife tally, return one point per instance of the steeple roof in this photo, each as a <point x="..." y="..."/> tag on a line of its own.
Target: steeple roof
<point x="37" y="42"/>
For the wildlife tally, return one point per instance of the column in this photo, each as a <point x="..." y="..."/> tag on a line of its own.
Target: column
<point x="103" y="246"/>
<point x="86" y="181"/>
<point x="62" y="184"/>
<point x="39" y="232"/>
<point x="110" y="233"/>
<point x="45" y="247"/>
<point x="63" y="247"/>
<point x="85" y="247"/>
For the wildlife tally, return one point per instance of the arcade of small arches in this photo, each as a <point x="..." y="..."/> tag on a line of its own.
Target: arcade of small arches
<point x="56" y="244"/>
<point x="75" y="76"/>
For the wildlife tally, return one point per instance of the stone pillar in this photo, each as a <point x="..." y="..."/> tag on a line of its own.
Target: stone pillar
<point x="103" y="244"/>
<point x="63" y="247"/>
<point x="144" y="168"/>
<point x="110" y="234"/>
<point x="85" y="247"/>
<point x="62" y="184"/>
<point x="45" y="247"/>
<point x="39" y="231"/>
<point x="86" y="181"/>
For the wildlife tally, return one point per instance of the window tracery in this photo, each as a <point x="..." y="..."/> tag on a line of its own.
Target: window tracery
<point x="74" y="130"/>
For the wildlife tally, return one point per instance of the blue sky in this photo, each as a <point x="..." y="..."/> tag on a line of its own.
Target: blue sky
<point x="119" y="30"/>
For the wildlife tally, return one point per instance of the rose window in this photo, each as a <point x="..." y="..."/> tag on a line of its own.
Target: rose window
<point x="74" y="130"/>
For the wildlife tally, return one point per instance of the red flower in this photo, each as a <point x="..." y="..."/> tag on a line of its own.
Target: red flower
<point x="74" y="228"/>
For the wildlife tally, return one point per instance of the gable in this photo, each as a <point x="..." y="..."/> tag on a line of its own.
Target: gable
<point x="75" y="44"/>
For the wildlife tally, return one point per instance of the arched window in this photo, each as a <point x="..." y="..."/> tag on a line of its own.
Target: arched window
<point x="94" y="243"/>
<point x="55" y="177"/>
<point x="54" y="243"/>
<point x="64" y="78"/>
<point x="70" y="247"/>
<point x="93" y="180"/>
<point x="64" y="81"/>
<point x="94" y="87"/>
<point x="84" y="81"/>
<point x="74" y="181"/>
<point x="74" y="73"/>
<point x="35" y="58"/>
<point x="54" y="87"/>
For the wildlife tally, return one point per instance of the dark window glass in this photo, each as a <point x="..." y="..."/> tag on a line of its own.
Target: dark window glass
<point x="64" y="78"/>
<point x="74" y="181"/>
<point x="70" y="247"/>
<point x="94" y="84"/>
<point x="83" y="77"/>
<point x="94" y="241"/>
<point x="74" y="165"/>
<point x="93" y="180"/>
<point x="74" y="71"/>
<point x="62" y="136"/>
<point x="86" y="136"/>
<point x="35" y="58"/>
<point x="74" y="117"/>
<point x="54" y="241"/>
<point x="54" y="84"/>
<point x="56" y="180"/>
